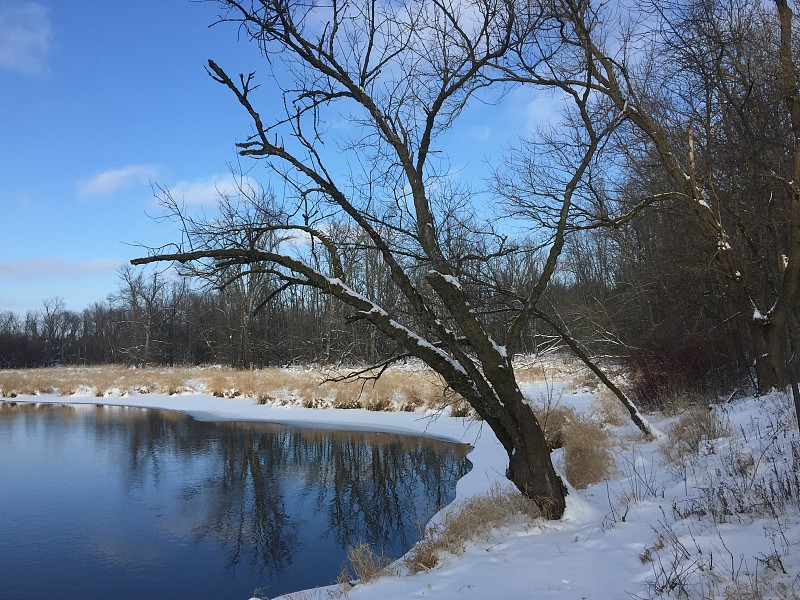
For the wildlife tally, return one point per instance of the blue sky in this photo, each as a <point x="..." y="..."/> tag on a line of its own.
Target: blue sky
<point x="99" y="100"/>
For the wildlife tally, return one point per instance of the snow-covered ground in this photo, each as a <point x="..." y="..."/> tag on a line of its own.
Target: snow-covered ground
<point x="722" y="522"/>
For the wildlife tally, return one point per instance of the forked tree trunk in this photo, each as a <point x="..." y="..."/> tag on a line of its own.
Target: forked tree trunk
<point x="529" y="464"/>
<point x="530" y="468"/>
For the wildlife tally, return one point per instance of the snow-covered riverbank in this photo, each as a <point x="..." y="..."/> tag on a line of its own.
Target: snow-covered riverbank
<point x="655" y="529"/>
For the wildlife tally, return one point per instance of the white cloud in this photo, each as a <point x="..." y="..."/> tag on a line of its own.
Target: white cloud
<point x="106" y="183"/>
<point x="55" y="266"/>
<point x="544" y="110"/>
<point x="205" y="191"/>
<point x="480" y="133"/>
<point x="25" y="37"/>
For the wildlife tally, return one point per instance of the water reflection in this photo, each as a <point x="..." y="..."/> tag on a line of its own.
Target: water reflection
<point x="278" y="506"/>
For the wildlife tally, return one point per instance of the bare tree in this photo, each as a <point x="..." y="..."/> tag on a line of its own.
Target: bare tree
<point x="399" y="75"/>
<point x="57" y="328"/>
<point x="709" y="113"/>
<point x="150" y="301"/>
<point x="245" y="289"/>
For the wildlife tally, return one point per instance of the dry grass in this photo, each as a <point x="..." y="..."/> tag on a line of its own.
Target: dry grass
<point x="698" y="428"/>
<point x="39" y="381"/>
<point x="555" y="421"/>
<point x="678" y="400"/>
<point x="473" y="519"/>
<point x="587" y="448"/>
<point x="102" y="381"/>
<point x="397" y="389"/>
<point x="363" y="564"/>
<point x="529" y="372"/>
<point x="587" y="453"/>
<point x="607" y="408"/>
<point x="461" y="408"/>
<point x="586" y="380"/>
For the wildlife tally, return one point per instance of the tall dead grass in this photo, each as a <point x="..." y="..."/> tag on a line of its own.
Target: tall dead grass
<point x="364" y="564"/>
<point x="528" y="372"/>
<point x="698" y="428"/>
<point x="587" y="453"/>
<point x="607" y="408"/>
<point x="397" y="388"/>
<point x="473" y="519"/>
<point x="587" y="446"/>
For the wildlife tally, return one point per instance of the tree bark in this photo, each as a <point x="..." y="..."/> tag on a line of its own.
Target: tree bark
<point x="529" y="464"/>
<point x="771" y="345"/>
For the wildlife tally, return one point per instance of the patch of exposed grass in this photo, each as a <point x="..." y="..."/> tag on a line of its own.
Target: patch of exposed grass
<point x="364" y="564"/>
<point x="16" y="384"/>
<point x="528" y="372"/>
<point x="396" y="389"/>
<point x="472" y="519"/>
<point x="587" y="453"/>
<point x="695" y="429"/>
<point x="172" y="383"/>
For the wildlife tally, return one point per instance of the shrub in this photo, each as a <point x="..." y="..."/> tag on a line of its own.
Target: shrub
<point x="671" y="362"/>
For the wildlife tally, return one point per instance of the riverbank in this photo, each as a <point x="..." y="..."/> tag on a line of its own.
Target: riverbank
<point x="713" y="511"/>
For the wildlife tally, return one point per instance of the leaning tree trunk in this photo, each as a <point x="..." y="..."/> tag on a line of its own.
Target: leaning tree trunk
<point x="530" y="468"/>
<point x="529" y="464"/>
<point x="637" y="417"/>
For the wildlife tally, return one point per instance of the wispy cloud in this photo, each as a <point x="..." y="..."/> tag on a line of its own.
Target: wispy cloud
<point x="55" y="267"/>
<point x="25" y="37"/>
<point x="204" y="191"/>
<point x="106" y="183"/>
<point x="544" y="110"/>
<point x="480" y="133"/>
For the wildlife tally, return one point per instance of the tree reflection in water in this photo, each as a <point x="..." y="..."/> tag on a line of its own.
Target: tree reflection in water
<point x="255" y="490"/>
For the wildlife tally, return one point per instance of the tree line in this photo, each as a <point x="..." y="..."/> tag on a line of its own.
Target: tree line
<point x="155" y="319"/>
